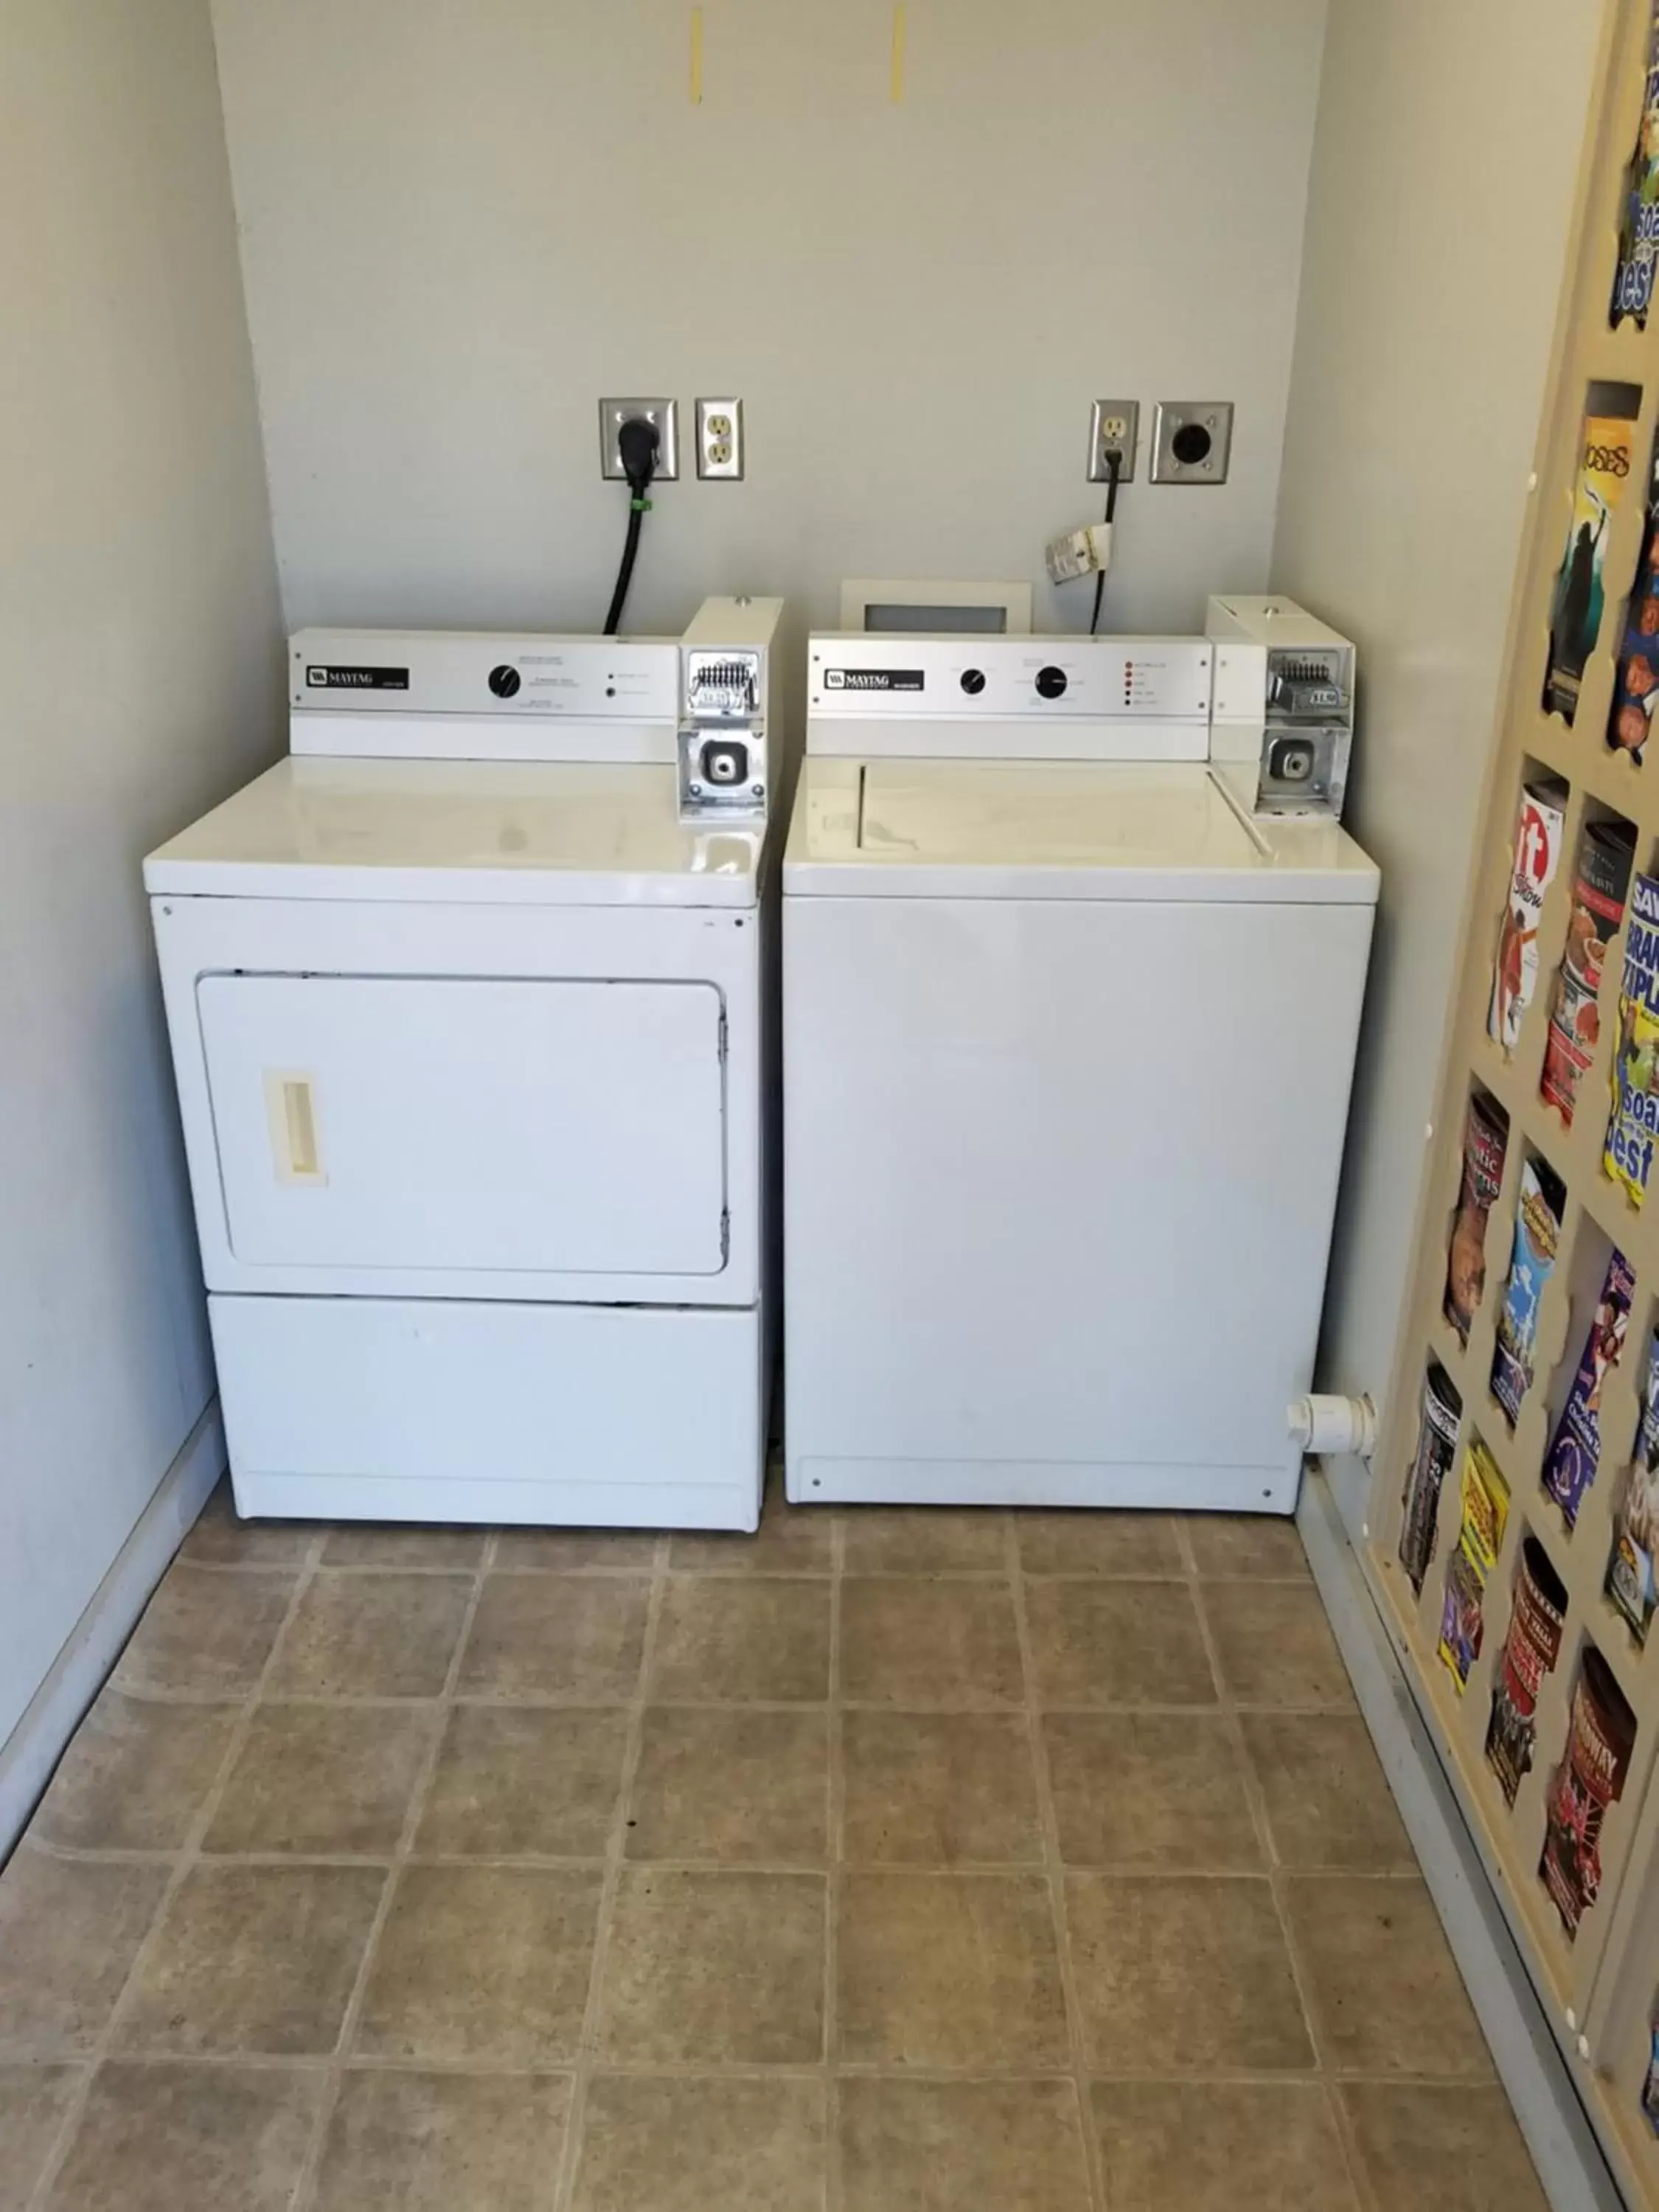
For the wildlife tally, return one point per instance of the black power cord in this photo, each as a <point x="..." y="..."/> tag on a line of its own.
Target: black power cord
<point x="638" y="441"/>
<point x="1114" y="463"/>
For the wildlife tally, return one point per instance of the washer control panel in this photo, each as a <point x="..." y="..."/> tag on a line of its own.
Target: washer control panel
<point x="865" y="675"/>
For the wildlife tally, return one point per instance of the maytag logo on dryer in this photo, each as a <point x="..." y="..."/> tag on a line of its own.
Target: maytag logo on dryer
<point x="875" y="679"/>
<point x="330" y="678"/>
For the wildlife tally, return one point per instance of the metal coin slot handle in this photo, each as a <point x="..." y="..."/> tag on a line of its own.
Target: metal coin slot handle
<point x="290" y="1108"/>
<point x="724" y="762"/>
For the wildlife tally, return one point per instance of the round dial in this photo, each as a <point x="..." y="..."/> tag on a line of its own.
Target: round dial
<point x="973" y="681"/>
<point x="1051" y="681"/>
<point x="504" y="681"/>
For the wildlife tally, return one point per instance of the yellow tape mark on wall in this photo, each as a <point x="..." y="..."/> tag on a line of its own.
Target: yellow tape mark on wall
<point x="897" y="88"/>
<point x="696" y="57"/>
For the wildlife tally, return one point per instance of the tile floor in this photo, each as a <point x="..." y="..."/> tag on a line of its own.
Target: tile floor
<point x="883" y="1863"/>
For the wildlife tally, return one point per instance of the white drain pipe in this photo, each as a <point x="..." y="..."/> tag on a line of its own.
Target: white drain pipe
<point x="1338" y="1426"/>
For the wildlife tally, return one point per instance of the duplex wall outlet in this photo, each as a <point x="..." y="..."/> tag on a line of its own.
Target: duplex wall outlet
<point x="719" y="438"/>
<point x="1192" y="440"/>
<point x="665" y="413"/>
<point x="1113" y="426"/>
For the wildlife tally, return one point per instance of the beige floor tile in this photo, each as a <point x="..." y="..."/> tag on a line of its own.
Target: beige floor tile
<point x="650" y="2144"/>
<point x="397" y="1543"/>
<point x="1327" y="1802"/>
<point x="730" y="1785"/>
<point x="921" y="1643"/>
<point x="939" y="1789"/>
<point x="792" y="1540"/>
<point x="937" y="2146"/>
<point x="32" y="2102"/>
<point x="1385" y="1992"/>
<point x="1098" y="1543"/>
<point x="1158" y="1790"/>
<point x="948" y="1970"/>
<point x="1117" y="1643"/>
<point x="69" y="1930"/>
<point x="715" y="1968"/>
<point x="526" y="1781"/>
<point x="136" y="1775"/>
<point x="372" y="1636"/>
<point x="557" y="1636"/>
<point x="206" y="1630"/>
<point x="322" y="1780"/>
<point x="1184" y="1974"/>
<point x="1274" y="1644"/>
<point x="576" y="1551"/>
<point x="1455" y="2148"/>
<point x="1247" y="1547"/>
<point x="253" y="1960"/>
<point x="765" y="1637"/>
<point x="1219" y="2146"/>
<point x="402" y="2141"/>
<point x="483" y="1963"/>
<point x="183" y="2138"/>
<point x="924" y="1540"/>
<point x="220" y="1538"/>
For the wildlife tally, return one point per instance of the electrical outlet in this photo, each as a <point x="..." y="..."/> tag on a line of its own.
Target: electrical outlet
<point x="1192" y="440"/>
<point x="1113" y="424"/>
<point x="665" y="413"/>
<point x="719" y="438"/>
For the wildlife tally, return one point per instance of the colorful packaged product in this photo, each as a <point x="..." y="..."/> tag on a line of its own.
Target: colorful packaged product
<point x="1436" y="1447"/>
<point x="1580" y="594"/>
<point x="1485" y="1139"/>
<point x="1537" y="1239"/>
<point x="1627" y="1153"/>
<point x="1630" y="1581"/>
<point x="1606" y="853"/>
<point x="1636" y="688"/>
<point x="1650" y="2085"/>
<point x="1601" y="1734"/>
<point x="1638" y="227"/>
<point x="1537" y="852"/>
<point x="1531" y="1647"/>
<point x="1486" y="1509"/>
<point x="1571" y="1462"/>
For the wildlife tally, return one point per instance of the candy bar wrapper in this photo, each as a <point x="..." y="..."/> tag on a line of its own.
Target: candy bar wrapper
<point x="1600" y="1736"/>
<point x="1436" y="1447"/>
<point x="1537" y="1236"/>
<point x="1531" y="1647"/>
<point x="1569" y="1463"/>
<point x="1638" y="227"/>
<point x="1636" y="688"/>
<point x="1486" y="1139"/>
<point x="1485" y="1503"/>
<point x="1630" y="1577"/>
<point x="1627" y="1153"/>
<point x="1537" y="855"/>
<point x="1580" y="595"/>
<point x="1604" y="856"/>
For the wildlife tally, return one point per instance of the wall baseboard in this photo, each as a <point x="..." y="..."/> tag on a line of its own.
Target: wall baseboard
<point x="34" y="1746"/>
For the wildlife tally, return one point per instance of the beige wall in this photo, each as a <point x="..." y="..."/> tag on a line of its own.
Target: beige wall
<point x="463" y="223"/>
<point x="1444" y="170"/>
<point x="141" y="670"/>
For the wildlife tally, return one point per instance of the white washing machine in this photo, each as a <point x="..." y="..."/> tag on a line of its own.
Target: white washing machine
<point x="470" y="1022"/>
<point x="1068" y="1039"/>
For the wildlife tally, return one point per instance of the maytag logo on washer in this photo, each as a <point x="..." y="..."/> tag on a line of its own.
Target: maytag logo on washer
<point x="874" y="679"/>
<point x="331" y="679"/>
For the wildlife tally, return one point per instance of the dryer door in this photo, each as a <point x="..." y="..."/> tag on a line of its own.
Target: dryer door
<point x="455" y="1122"/>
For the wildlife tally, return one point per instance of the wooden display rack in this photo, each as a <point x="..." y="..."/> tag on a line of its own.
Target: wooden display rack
<point x="1598" y="1989"/>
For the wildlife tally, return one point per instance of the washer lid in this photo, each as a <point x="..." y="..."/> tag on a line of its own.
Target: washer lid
<point x="497" y="832"/>
<point x="1054" y="829"/>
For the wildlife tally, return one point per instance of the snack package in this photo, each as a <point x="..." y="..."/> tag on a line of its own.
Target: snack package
<point x="1627" y="1152"/>
<point x="1606" y="854"/>
<point x="1533" y="1643"/>
<point x="1638" y="227"/>
<point x="1485" y="1503"/>
<point x="1570" y="1462"/>
<point x="1580" y="594"/>
<point x="1630" y="1581"/>
<point x="1486" y="1139"/>
<point x="1537" y="851"/>
<point x="1637" y="686"/>
<point x="1537" y="1236"/>
<point x="1650" y="2085"/>
<point x="1437" y="1446"/>
<point x="1600" y="1733"/>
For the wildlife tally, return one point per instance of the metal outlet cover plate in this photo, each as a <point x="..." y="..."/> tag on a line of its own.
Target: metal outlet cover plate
<point x="665" y="413"/>
<point x="1103" y="416"/>
<point x="1192" y="441"/>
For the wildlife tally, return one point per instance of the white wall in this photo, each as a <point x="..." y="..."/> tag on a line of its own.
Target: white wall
<point x="140" y="663"/>
<point x="1442" y="181"/>
<point x="462" y="224"/>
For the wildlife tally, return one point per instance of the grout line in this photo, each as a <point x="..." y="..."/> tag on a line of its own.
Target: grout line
<point x="836" y="1785"/>
<point x="304" y="2187"/>
<point x="1054" y="1868"/>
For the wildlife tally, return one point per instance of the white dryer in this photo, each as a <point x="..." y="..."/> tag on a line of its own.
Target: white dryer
<point x="1068" y="1040"/>
<point x="471" y="1032"/>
